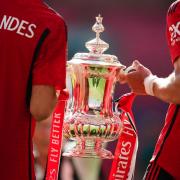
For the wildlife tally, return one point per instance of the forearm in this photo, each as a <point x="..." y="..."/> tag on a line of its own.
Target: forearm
<point x="43" y="102"/>
<point x="168" y="89"/>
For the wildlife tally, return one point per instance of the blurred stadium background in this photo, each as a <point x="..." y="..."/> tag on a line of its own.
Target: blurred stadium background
<point x="134" y="30"/>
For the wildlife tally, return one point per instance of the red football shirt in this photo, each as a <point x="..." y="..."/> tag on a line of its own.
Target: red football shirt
<point x="32" y="52"/>
<point x="167" y="151"/>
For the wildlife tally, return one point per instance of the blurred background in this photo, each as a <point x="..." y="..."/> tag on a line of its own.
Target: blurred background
<point x="134" y="30"/>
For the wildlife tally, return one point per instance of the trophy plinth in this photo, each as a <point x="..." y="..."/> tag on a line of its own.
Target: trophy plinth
<point x="90" y="119"/>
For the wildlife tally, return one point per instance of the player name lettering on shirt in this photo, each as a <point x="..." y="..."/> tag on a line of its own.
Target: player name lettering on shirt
<point x="21" y="27"/>
<point x="174" y="30"/>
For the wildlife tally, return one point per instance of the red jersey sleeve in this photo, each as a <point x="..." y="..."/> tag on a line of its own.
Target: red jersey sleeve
<point x="173" y="30"/>
<point x="50" y="65"/>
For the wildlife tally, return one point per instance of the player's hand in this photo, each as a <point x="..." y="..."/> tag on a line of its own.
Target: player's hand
<point x="122" y="76"/>
<point x="135" y="78"/>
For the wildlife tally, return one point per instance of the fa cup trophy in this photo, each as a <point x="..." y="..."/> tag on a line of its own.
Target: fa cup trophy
<point x="90" y="118"/>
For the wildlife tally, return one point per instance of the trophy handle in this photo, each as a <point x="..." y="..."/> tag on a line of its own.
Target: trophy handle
<point x="123" y="72"/>
<point x="129" y="69"/>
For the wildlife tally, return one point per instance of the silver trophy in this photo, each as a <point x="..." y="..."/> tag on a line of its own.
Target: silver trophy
<point x="90" y="120"/>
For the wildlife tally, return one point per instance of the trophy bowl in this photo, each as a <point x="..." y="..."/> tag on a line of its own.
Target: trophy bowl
<point x="90" y="119"/>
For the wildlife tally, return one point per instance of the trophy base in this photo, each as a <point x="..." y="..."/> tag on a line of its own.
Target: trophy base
<point x="89" y="149"/>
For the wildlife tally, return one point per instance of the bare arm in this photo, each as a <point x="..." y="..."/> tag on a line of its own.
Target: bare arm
<point x="168" y="89"/>
<point x="43" y="101"/>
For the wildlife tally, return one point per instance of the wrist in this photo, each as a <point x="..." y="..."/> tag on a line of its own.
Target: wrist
<point x="148" y="84"/>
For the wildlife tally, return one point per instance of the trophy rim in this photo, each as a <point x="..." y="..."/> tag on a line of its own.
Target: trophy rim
<point x="96" y="59"/>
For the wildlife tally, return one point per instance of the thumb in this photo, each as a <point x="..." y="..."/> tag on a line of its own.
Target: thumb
<point x="136" y="63"/>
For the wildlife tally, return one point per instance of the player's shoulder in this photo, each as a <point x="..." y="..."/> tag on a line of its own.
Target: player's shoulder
<point x="174" y="8"/>
<point x="50" y="16"/>
<point x="54" y="15"/>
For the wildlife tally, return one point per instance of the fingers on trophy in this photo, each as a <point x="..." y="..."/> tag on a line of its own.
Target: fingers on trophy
<point x="124" y="71"/>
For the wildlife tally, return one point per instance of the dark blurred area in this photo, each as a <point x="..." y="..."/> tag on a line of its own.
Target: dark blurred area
<point x="134" y="30"/>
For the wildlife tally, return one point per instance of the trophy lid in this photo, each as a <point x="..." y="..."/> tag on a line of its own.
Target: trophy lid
<point x="96" y="49"/>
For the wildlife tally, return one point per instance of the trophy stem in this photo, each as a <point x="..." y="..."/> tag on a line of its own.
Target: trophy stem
<point x="89" y="148"/>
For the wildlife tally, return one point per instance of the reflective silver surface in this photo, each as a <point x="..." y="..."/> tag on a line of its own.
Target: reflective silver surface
<point x="90" y="119"/>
